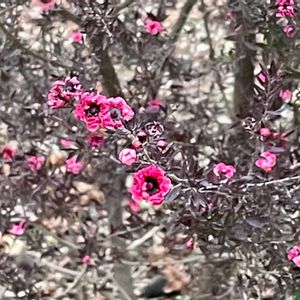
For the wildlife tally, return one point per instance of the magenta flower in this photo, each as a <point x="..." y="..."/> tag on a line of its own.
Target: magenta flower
<point x="262" y="76"/>
<point x="66" y="143"/>
<point x="18" y="229"/>
<point x="285" y="11"/>
<point x="150" y="184"/>
<point x="96" y="141"/>
<point x="136" y="144"/>
<point x="266" y="161"/>
<point x="190" y="244"/>
<point x="227" y="170"/>
<point x="286" y="95"/>
<point x="35" y="162"/>
<point x="154" y="104"/>
<point x="289" y="30"/>
<point x="127" y="156"/>
<point x="86" y="260"/>
<point x="74" y="166"/>
<point x="153" y="27"/>
<point x="77" y="37"/>
<point x="90" y="110"/>
<point x="265" y="132"/>
<point x="46" y="5"/>
<point x="116" y="110"/>
<point x="8" y="153"/>
<point x="64" y="91"/>
<point x="294" y="255"/>
<point x="284" y="2"/>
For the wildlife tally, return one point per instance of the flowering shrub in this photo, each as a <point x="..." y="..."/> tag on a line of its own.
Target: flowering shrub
<point x="129" y="149"/>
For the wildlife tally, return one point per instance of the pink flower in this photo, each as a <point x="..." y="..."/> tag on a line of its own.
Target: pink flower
<point x="294" y="252"/>
<point x="86" y="260"/>
<point x="18" y="229"/>
<point x="296" y="261"/>
<point x="8" y="152"/>
<point x="154" y="104"/>
<point x="284" y="2"/>
<point x="262" y="77"/>
<point x="74" y="166"/>
<point x="267" y="161"/>
<point x="162" y="144"/>
<point x="150" y="184"/>
<point x="46" y="5"/>
<point x="265" y="132"/>
<point x="77" y="37"/>
<point x="153" y="27"/>
<point x="64" y="91"/>
<point x="115" y="112"/>
<point x="127" y="156"/>
<point x="66" y="143"/>
<point x="285" y="11"/>
<point x="90" y="110"/>
<point x="136" y="144"/>
<point x="227" y="170"/>
<point x="286" y="95"/>
<point x="35" y="162"/>
<point x="134" y="206"/>
<point x="289" y="30"/>
<point x="96" y="141"/>
<point x="190" y="244"/>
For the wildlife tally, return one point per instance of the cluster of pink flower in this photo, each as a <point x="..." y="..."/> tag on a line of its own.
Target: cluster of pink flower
<point x="294" y="255"/>
<point x="266" y="161"/>
<point x="286" y="9"/>
<point x="222" y="169"/>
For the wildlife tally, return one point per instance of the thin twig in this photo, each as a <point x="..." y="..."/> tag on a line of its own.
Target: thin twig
<point x="273" y="181"/>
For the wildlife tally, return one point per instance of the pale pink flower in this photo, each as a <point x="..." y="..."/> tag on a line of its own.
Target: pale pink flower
<point x="77" y="37"/>
<point x="296" y="261"/>
<point x="265" y="132"/>
<point x="286" y="95"/>
<point x="289" y="30"/>
<point x="18" y="229"/>
<point x="190" y="244"/>
<point x="266" y="161"/>
<point x="74" y="166"/>
<point x="222" y="168"/>
<point x="66" y="143"/>
<point x="153" y="27"/>
<point x="35" y="162"/>
<point x="134" y="206"/>
<point x="8" y="153"/>
<point x="127" y="156"/>
<point x="161" y="144"/>
<point x="294" y="252"/>
<point x="46" y="5"/>
<point x="86" y="260"/>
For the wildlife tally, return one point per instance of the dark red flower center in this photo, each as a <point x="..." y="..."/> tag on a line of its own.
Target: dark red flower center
<point x="45" y="1"/>
<point x="69" y="87"/>
<point x="93" y="110"/>
<point x="152" y="186"/>
<point x="115" y="114"/>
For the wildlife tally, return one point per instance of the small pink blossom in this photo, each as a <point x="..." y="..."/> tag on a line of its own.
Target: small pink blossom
<point x="136" y="144"/>
<point x="46" y="5"/>
<point x="18" y="229"/>
<point x="127" y="156"/>
<point x="265" y="132"/>
<point x="162" y="144"/>
<point x="66" y="143"/>
<point x="227" y="170"/>
<point x="266" y="161"/>
<point x="8" y="153"/>
<point x="289" y="30"/>
<point x="262" y="77"/>
<point x="77" y="37"/>
<point x="115" y="112"/>
<point x="294" y="252"/>
<point x="74" y="166"/>
<point x="96" y="141"/>
<point x="284" y="2"/>
<point x="285" y="11"/>
<point x="134" y="206"/>
<point x="190" y="244"/>
<point x="154" y="104"/>
<point x="153" y="27"/>
<point x="86" y="260"/>
<point x="150" y="184"/>
<point x="35" y="162"/>
<point x="63" y="92"/>
<point x="286" y="95"/>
